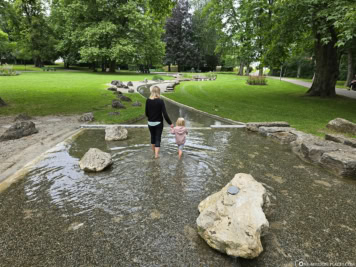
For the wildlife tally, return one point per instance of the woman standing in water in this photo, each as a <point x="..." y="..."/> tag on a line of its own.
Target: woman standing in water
<point x="155" y="108"/>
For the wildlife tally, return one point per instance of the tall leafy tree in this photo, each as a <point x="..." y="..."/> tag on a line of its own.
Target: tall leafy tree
<point x="33" y="31"/>
<point x="110" y="32"/>
<point x="181" y="43"/>
<point x="320" y="19"/>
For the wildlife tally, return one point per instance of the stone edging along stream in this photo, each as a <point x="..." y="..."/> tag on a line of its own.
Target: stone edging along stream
<point x="337" y="158"/>
<point x="27" y="168"/>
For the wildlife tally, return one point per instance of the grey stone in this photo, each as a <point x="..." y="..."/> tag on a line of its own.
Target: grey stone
<point x="341" y="139"/>
<point x="136" y="104"/>
<point x="95" y="160"/>
<point x="22" y="117"/>
<point x="118" y="93"/>
<point x="117" y="104"/>
<point x="341" y="163"/>
<point x="131" y="91"/>
<point x="18" y="130"/>
<point x="129" y="83"/>
<point x="115" y="133"/>
<point x="253" y="126"/>
<point x="112" y="89"/>
<point x="2" y="102"/>
<point x="117" y="83"/>
<point x="124" y="98"/>
<point x="87" y="117"/>
<point x="233" y="224"/>
<point x="283" y="135"/>
<point x="342" y="125"/>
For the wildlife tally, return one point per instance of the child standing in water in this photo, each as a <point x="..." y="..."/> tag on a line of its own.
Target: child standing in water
<point x="180" y="132"/>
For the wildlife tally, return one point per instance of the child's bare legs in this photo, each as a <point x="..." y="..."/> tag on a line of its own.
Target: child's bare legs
<point x="180" y="153"/>
<point x="180" y="150"/>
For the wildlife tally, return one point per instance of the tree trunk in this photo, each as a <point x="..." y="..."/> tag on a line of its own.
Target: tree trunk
<point x="169" y="67"/>
<point x="326" y="69"/>
<point x="112" y="66"/>
<point x="299" y="70"/>
<point x="247" y="69"/>
<point x="241" y="70"/>
<point x="350" y="67"/>
<point x="260" y="71"/>
<point x="38" y="62"/>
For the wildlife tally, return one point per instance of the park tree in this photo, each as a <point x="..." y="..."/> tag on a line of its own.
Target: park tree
<point x="242" y="27"/>
<point x="110" y="32"/>
<point x="323" y="21"/>
<point x="206" y="36"/>
<point x="31" y="29"/>
<point x="181" y="43"/>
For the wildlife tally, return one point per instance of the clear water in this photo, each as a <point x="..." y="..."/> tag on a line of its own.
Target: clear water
<point x="142" y="211"/>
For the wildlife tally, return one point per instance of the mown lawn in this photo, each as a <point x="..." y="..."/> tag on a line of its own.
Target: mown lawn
<point x="229" y="96"/>
<point x="64" y="93"/>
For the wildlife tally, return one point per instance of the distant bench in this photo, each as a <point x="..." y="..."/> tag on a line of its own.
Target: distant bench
<point x="48" y="69"/>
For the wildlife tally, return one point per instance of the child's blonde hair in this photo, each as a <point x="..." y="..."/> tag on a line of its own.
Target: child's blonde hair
<point x="155" y="92"/>
<point x="180" y="122"/>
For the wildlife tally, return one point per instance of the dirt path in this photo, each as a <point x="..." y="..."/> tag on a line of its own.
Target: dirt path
<point x="339" y="91"/>
<point x="14" y="154"/>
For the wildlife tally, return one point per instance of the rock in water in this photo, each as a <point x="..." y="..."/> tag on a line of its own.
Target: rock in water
<point x="129" y="83"/>
<point x="342" y="125"/>
<point x="87" y="117"/>
<point x="117" y="104"/>
<point x="115" y="133"/>
<point x="18" y="130"/>
<point x="95" y="160"/>
<point x="233" y="224"/>
<point x="2" y="102"/>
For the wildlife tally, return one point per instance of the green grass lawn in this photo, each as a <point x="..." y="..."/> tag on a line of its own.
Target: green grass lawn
<point x="230" y="97"/>
<point x="62" y="93"/>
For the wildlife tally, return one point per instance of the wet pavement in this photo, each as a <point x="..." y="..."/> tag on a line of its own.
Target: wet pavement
<point x="142" y="211"/>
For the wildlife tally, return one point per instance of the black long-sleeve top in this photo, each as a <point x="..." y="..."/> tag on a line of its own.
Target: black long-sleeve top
<point x="154" y="110"/>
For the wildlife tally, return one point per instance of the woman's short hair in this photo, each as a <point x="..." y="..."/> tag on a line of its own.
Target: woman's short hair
<point x="155" y="92"/>
<point x="180" y="122"/>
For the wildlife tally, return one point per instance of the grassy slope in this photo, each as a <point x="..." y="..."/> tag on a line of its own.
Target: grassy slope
<point x="229" y="96"/>
<point x="49" y="93"/>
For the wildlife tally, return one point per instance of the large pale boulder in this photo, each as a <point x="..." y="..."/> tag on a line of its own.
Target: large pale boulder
<point x="19" y="130"/>
<point x="115" y="133"/>
<point x="342" y="125"/>
<point x="95" y="160"/>
<point x="234" y="224"/>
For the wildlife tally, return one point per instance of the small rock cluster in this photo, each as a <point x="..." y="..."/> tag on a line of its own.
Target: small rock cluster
<point x="96" y="160"/>
<point x="119" y="84"/>
<point x="336" y="154"/>
<point x="234" y="223"/>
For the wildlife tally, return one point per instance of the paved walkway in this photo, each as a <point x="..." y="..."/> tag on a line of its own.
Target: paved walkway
<point x="339" y="91"/>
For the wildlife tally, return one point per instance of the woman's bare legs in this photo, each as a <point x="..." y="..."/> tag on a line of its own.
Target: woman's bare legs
<point x="156" y="152"/>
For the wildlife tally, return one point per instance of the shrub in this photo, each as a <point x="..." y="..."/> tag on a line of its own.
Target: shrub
<point x="7" y="70"/>
<point x="157" y="78"/>
<point x="256" y="80"/>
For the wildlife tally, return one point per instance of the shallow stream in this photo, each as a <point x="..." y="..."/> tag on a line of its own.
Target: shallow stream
<point x="142" y="211"/>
